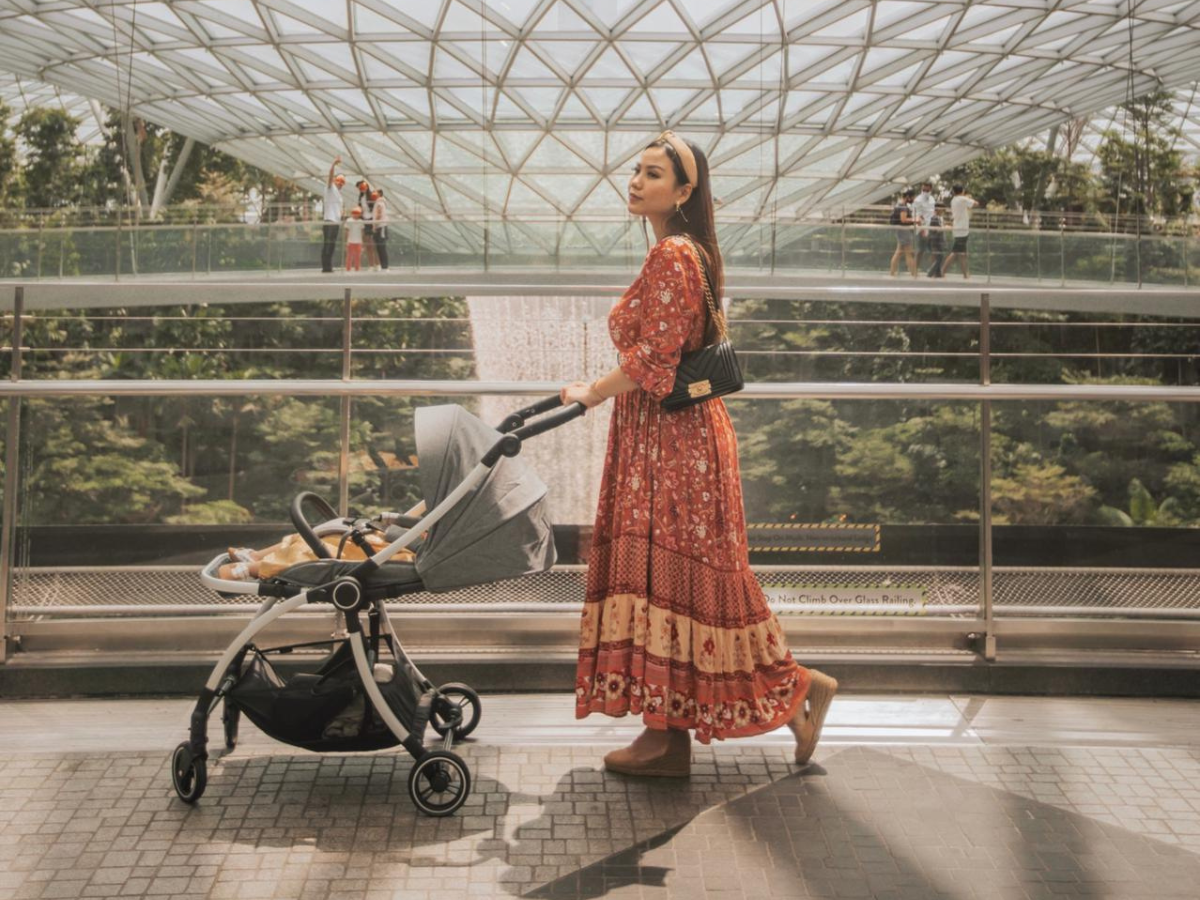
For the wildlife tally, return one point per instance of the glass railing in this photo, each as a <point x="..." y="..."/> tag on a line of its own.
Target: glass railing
<point x="1011" y="253"/>
<point x="946" y="469"/>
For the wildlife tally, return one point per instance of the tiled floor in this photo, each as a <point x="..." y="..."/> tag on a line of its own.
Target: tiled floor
<point x="916" y="797"/>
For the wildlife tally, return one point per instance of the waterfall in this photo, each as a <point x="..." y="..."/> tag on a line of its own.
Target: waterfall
<point x="557" y="339"/>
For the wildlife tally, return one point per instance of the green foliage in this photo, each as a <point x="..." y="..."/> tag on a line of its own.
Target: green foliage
<point x="10" y="174"/>
<point x="54" y="160"/>
<point x="1022" y="178"/>
<point x="1145" y="174"/>
<point x="214" y="512"/>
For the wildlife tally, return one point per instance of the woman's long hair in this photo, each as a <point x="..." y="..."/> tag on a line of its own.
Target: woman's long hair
<point x="699" y="222"/>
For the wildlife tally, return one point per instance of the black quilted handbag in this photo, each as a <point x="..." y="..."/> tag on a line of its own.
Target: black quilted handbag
<point x="711" y="371"/>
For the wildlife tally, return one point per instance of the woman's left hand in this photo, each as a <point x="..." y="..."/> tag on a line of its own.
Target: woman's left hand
<point x="580" y="392"/>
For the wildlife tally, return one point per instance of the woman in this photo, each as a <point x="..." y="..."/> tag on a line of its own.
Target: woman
<point x="675" y="626"/>
<point x="902" y="222"/>
<point x="380" y="227"/>
<point x="367" y="205"/>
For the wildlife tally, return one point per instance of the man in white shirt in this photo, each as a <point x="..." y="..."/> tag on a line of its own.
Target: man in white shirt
<point x="961" y="204"/>
<point x="922" y="210"/>
<point x="332" y="215"/>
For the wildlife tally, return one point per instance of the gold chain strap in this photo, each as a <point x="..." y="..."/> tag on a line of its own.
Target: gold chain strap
<point x="708" y="295"/>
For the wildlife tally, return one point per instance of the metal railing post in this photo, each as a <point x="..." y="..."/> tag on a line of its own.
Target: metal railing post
<point x="985" y="479"/>
<point x="843" y="243"/>
<point x="12" y="459"/>
<point x="1062" y="252"/>
<point x="987" y="245"/>
<point x="344" y="432"/>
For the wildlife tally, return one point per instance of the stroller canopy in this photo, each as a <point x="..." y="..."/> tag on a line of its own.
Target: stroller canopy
<point x="501" y="530"/>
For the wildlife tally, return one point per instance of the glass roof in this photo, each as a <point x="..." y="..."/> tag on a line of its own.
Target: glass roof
<point x="1084" y="137"/>
<point x="472" y="109"/>
<point x="20" y="94"/>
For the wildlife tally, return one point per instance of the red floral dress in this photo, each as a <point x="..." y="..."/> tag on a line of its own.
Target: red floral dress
<point x="675" y="626"/>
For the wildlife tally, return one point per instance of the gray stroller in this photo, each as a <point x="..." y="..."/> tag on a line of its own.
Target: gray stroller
<point x="485" y="521"/>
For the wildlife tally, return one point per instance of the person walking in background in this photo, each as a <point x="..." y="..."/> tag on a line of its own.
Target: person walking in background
<point x="922" y="210"/>
<point x="332" y="214"/>
<point x="380" y="227"/>
<point x="354" y="240"/>
<point x="902" y="221"/>
<point x="937" y="244"/>
<point x="675" y="626"/>
<point x="961" y="204"/>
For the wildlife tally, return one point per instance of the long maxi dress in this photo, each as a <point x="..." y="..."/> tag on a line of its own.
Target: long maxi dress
<point x="675" y="626"/>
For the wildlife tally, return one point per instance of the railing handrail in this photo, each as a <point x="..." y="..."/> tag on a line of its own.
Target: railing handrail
<point x="792" y="390"/>
<point x="876" y="213"/>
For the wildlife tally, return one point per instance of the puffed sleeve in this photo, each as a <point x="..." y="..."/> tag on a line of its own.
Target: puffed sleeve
<point x="668" y="309"/>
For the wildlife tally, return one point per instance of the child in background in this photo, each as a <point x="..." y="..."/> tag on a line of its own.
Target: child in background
<point x="937" y="243"/>
<point x="354" y="240"/>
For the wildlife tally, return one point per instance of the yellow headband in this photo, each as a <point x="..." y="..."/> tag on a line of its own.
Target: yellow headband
<point x="684" y="152"/>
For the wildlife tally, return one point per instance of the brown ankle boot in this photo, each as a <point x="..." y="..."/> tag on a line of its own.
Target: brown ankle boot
<point x="810" y="720"/>
<point x="676" y="762"/>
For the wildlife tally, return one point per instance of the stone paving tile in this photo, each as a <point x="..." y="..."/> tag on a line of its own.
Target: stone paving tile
<point x="876" y="824"/>
<point x="960" y="822"/>
<point x="289" y="826"/>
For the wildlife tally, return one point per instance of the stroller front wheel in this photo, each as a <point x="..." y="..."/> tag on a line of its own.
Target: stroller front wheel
<point x="439" y="783"/>
<point x="189" y="774"/>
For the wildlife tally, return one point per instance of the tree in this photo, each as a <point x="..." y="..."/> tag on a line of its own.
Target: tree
<point x="1022" y="178"/>
<point x="1144" y="174"/>
<point x="10" y="173"/>
<point x="54" y="159"/>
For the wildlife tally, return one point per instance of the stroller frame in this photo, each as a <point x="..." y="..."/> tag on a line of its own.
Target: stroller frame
<point x="439" y="771"/>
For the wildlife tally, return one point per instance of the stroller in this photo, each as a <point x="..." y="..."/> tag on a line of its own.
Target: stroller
<point x="486" y="521"/>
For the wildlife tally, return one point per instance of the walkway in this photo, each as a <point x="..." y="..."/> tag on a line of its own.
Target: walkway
<point x="912" y="797"/>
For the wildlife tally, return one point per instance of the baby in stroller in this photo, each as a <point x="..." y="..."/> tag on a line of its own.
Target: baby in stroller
<point x="483" y="519"/>
<point x="247" y="564"/>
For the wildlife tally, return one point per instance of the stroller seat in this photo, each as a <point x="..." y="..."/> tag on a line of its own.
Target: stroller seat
<point x="393" y="577"/>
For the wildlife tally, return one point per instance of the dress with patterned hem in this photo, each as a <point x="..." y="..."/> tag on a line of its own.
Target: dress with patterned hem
<point x="675" y="626"/>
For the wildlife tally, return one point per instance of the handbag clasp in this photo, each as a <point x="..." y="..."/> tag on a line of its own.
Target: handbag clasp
<point x="699" y="388"/>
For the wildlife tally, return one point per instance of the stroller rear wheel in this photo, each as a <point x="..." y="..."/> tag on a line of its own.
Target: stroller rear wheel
<point x="457" y="706"/>
<point x="439" y="783"/>
<point x="189" y="773"/>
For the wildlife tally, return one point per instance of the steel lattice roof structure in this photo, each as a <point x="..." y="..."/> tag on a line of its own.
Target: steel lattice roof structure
<point x="20" y="94"/>
<point x="1184" y="121"/>
<point x="466" y="109"/>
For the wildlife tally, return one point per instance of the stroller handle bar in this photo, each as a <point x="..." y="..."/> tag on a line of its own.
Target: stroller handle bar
<point x="515" y="430"/>
<point x="517" y="419"/>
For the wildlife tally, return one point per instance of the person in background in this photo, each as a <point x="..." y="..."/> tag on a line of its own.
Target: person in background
<point x="937" y="243"/>
<point x="903" y="221"/>
<point x="332" y="214"/>
<point x="380" y="227"/>
<point x="922" y="210"/>
<point x="368" y="216"/>
<point x="961" y="204"/>
<point x="354" y="240"/>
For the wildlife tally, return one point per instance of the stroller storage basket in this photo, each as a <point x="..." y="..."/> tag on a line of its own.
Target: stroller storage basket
<point x="326" y="711"/>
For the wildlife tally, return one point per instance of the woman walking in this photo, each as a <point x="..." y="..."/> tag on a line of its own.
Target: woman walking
<point x="675" y="626"/>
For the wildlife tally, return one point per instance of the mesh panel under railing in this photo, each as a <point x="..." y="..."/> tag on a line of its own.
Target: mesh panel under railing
<point x="793" y="591"/>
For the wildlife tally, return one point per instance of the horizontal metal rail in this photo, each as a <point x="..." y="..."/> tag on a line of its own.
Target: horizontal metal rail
<point x="791" y="390"/>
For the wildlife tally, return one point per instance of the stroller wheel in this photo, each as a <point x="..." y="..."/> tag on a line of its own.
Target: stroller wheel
<point x="456" y="702"/>
<point x="189" y="774"/>
<point x="231" y="716"/>
<point x="439" y="783"/>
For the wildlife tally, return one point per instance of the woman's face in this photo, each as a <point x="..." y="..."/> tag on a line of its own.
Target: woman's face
<point x="653" y="190"/>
